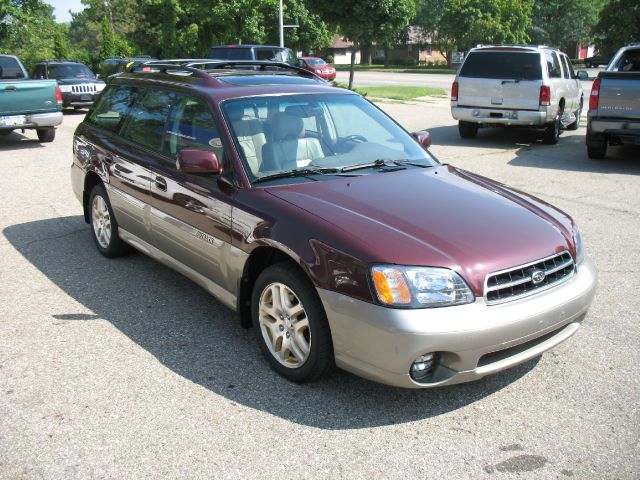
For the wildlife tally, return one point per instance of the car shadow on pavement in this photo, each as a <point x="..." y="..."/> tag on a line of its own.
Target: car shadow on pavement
<point x="196" y="337"/>
<point x="569" y="154"/>
<point x="18" y="141"/>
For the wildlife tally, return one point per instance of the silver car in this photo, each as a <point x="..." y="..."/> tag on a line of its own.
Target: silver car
<point x="519" y="85"/>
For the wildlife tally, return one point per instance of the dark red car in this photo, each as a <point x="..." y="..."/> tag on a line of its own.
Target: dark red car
<point x="319" y="67"/>
<point x="326" y="226"/>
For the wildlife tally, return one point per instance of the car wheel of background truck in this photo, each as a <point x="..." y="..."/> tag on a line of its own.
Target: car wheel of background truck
<point x="5" y="132"/>
<point x="46" y="135"/>
<point x="290" y="324"/>
<point x="467" y="129"/>
<point x="552" y="132"/>
<point x="597" y="151"/>
<point x="575" y="125"/>
<point x="104" y="228"/>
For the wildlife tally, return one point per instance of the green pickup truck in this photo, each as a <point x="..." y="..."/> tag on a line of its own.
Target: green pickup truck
<point x="27" y="104"/>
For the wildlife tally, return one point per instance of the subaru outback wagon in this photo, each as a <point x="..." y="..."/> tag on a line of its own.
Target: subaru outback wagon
<point x="326" y="226"/>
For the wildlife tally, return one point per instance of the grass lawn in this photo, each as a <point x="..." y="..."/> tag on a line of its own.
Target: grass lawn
<point x="399" y="93"/>
<point x="396" y="69"/>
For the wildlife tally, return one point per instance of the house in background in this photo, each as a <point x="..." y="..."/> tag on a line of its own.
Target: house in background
<point x="418" y="49"/>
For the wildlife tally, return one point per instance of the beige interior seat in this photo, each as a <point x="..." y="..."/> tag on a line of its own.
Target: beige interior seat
<point x="250" y="135"/>
<point x="289" y="148"/>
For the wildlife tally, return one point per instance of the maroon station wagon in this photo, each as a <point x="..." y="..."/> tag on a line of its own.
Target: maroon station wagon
<point x="326" y="226"/>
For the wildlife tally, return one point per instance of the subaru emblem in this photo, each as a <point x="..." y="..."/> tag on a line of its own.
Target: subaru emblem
<point x="537" y="277"/>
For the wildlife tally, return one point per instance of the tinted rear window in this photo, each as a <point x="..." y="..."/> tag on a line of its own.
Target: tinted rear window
<point x="502" y="65"/>
<point x="9" y="68"/>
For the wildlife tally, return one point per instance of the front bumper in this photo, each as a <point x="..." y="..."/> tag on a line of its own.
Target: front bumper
<point x="500" y="116"/>
<point x="79" y="99"/>
<point x="473" y="340"/>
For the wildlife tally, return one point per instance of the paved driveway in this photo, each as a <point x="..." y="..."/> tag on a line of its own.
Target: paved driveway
<point x="125" y="369"/>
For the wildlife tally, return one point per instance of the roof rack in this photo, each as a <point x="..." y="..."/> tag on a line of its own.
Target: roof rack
<point x="209" y="65"/>
<point x="530" y="45"/>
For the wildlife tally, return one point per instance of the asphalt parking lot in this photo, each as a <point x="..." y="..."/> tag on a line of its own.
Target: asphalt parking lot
<point x="125" y="369"/>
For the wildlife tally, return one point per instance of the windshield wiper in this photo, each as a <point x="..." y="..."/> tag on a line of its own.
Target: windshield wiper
<point x="298" y="172"/>
<point x="384" y="162"/>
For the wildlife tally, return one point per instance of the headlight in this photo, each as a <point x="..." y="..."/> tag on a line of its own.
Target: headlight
<point x="577" y="240"/>
<point x="100" y="86"/>
<point x="65" y="88"/>
<point x="419" y="287"/>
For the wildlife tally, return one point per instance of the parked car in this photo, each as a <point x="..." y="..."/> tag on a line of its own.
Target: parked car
<point x="253" y="52"/>
<point x="597" y="60"/>
<point x="318" y="66"/>
<point x="28" y="104"/>
<point x="79" y="85"/>
<point x="114" y="65"/>
<point x="614" y="103"/>
<point x="517" y="85"/>
<point x="326" y="226"/>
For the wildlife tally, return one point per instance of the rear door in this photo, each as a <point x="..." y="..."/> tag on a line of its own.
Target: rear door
<point x="123" y="164"/>
<point x="571" y="84"/>
<point x="500" y="78"/>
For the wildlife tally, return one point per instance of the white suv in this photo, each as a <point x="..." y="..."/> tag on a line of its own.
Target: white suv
<point x="521" y="85"/>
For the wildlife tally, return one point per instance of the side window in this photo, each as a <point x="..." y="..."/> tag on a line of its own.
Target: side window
<point x="148" y="117"/>
<point x="112" y="108"/>
<point x="630" y="61"/>
<point x="264" y="54"/>
<point x="191" y="126"/>
<point x="572" y="74"/>
<point x="37" y="72"/>
<point x="553" y="65"/>
<point x="566" y="73"/>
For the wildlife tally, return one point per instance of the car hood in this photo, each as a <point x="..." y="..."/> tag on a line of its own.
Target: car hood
<point x="77" y="81"/>
<point x="438" y="216"/>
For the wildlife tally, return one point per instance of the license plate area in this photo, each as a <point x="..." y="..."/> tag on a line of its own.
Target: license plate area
<point x="12" y="120"/>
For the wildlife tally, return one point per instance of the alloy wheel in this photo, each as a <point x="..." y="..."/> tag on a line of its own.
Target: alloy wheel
<point x="101" y="221"/>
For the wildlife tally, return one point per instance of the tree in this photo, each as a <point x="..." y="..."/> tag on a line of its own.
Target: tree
<point x="428" y="17"/>
<point x="366" y="20"/>
<point x="551" y="17"/>
<point x="470" y="22"/>
<point x="618" y="24"/>
<point x="27" y="29"/>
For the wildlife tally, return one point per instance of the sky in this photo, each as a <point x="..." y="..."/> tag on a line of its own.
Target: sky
<point x="62" y="8"/>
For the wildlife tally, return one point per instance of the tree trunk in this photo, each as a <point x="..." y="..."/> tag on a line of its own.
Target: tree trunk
<point x="354" y="49"/>
<point x="365" y="54"/>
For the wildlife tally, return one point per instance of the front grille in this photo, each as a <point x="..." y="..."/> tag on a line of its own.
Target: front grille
<point x="519" y="281"/>
<point x="84" y="88"/>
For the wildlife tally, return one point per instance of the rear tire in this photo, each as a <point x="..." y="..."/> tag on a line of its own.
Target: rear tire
<point x="596" y="149"/>
<point x="575" y="125"/>
<point x="5" y="132"/>
<point x="467" y="129"/>
<point x="46" y="135"/>
<point x="104" y="227"/>
<point x="552" y="132"/>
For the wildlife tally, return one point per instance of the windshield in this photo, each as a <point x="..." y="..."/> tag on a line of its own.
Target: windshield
<point x="328" y="132"/>
<point x="315" y="62"/>
<point x="502" y="65"/>
<point x="70" y="71"/>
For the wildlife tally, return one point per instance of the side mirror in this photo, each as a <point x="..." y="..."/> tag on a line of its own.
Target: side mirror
<point x="198" y="162"/>
<point x="583" y="75"/>
<point x="423" y="137"/>
<point x="97" y="76"/>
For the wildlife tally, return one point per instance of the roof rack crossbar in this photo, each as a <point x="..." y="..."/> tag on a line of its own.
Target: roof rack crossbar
<point x="212" y="64"/>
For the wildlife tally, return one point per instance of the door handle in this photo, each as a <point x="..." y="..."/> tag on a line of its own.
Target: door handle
<point x="160" y="183"/>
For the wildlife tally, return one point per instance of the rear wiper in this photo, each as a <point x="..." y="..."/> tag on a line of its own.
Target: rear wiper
<point x="298" y="172"/>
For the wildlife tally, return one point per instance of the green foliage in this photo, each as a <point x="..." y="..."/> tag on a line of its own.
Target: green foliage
<point x="618" y="24"/>
<point x="551" y="18"/>
<point x="27" y="29"/>
<point x="470" y="22"/>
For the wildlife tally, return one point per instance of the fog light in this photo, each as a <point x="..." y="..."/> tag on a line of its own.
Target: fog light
<point x="422" y="366"/>
<point x="514" y="115"/>
<point x="476" y="113"/>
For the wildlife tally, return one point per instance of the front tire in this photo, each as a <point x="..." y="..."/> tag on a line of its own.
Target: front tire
<point x="467" y="129"/>
<point x="290" y="324"/>
<point x="104" y="227"/>
<point x="46" y="135"/>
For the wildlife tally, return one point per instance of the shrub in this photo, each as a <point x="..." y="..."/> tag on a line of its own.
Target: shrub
<point x="329" y="59"/>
